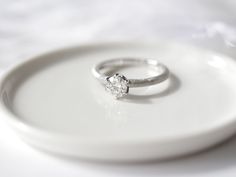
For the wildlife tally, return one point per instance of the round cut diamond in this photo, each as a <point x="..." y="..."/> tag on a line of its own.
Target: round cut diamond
<point x="117" y="85"/>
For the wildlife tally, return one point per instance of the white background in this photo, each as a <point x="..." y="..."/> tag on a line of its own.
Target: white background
<point x="31" y="27"/>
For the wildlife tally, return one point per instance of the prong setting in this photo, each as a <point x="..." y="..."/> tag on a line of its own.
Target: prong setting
<point x="117" y="85"/>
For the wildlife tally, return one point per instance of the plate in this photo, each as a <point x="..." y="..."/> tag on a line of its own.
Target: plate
<point x="54" y="103"/>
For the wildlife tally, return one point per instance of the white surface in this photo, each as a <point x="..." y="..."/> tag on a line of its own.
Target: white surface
<point x="55" y="93"/>
<point x="34" y="26"/>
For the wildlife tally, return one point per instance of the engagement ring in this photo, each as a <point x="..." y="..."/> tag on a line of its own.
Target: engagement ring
<point x="118" y="85"/>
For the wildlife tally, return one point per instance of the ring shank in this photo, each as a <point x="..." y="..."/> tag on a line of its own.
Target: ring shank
<point x="163" y="70"/>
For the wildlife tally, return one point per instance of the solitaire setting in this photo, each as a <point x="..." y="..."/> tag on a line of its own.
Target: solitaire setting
<point x="118" y="85"/>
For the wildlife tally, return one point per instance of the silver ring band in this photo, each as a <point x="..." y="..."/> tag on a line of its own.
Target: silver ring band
<point x="115" y="80"/>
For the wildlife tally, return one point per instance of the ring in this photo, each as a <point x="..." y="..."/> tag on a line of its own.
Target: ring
<point x="118" y="85"/>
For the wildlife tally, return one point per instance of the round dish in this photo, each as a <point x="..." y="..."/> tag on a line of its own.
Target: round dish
<point x="55" y="104"/>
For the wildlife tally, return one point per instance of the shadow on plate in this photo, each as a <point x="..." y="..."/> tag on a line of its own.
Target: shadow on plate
<point x="172" y="86"/>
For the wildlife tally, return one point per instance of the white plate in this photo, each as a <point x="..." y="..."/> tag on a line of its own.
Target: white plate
<point x="55" y="104"/>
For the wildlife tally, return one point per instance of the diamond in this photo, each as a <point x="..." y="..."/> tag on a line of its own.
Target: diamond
<point x="117" y="85"/>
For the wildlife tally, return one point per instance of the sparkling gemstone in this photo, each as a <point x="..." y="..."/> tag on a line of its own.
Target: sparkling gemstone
<point x="117" y="85"/>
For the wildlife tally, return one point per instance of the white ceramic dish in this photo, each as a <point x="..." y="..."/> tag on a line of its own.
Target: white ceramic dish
<point x="55" y="104"/>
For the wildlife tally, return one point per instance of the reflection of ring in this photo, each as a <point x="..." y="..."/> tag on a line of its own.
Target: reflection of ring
<point x="118" y="85"/>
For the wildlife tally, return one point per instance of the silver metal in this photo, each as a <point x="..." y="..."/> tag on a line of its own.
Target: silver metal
<point x="163" y="72"/>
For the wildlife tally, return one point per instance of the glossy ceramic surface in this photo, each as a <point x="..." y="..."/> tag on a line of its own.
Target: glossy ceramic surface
<point x="55" y="104"/>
